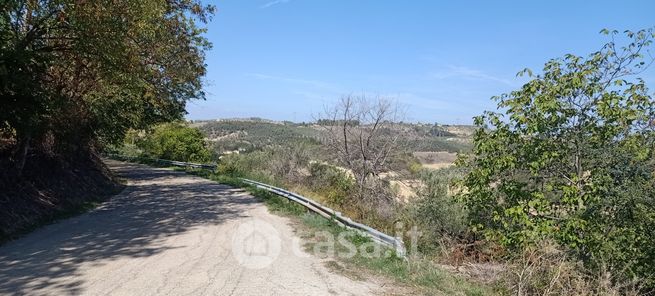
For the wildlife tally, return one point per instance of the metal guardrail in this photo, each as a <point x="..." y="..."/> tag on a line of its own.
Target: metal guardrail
<point x="377" y="236"/>
<point x="165" y="161"/>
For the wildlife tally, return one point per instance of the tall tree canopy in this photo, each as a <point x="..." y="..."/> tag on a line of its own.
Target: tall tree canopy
<point x="572" y="159"/>
<point x="74" y="73"/>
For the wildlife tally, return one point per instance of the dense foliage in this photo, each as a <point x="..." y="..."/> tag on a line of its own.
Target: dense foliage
<point x="436" y="208"/>
<point x="572" y="159"/>
<point x="77" y="73"/>
<point x="175" y="141"/>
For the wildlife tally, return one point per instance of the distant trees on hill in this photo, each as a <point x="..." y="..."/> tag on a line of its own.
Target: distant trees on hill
<point x="338" y="122"/>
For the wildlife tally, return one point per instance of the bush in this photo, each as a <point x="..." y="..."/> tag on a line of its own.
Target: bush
<point x="545" y="269"/>
<point x="335" y="184"/>
<point x="571" y="168"/>
<point x="244" y="165"/>
<point x="441" y="218"/>
<point x="175" y="141"/>
<point x="276" y="164"/>
<point x="289" y="163"/>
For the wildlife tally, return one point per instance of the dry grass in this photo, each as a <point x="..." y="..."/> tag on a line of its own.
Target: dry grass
<point x="405" y="190"/>
<point x="546" y="270"/>
<point x="435" y="160"/>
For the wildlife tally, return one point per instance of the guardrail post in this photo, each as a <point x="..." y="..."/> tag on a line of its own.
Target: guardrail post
<point x="399" y="245"/>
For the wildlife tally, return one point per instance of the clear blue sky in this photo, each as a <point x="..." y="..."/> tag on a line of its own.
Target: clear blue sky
<point x="286" y="59"/>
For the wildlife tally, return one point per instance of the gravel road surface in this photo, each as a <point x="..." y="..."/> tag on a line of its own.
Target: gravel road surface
<point x="169" y="233"/>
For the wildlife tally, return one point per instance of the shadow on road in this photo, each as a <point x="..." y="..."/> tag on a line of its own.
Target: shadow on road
<point x="133" y="224"/>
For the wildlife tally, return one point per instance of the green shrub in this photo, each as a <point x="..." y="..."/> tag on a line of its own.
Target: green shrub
<point x="439" y="215"/>
<point x="175" y="141"/>
<point x="572" y="160"/>
<point x="277" y="163"/>
<point x="245" y="165"/>
<point x="334" y="184"/>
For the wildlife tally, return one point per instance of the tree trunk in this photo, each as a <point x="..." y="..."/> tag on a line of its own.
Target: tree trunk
<point x="20" y="155"/>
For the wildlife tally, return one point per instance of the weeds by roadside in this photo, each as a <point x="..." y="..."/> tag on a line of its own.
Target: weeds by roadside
<point x="545" y="270"/>
<point x="415" y="274"/>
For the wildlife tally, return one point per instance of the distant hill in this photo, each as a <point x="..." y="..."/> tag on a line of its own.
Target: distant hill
<point x="236" y="119"/>
<point x="239" y="134"/>
<point x="247" y="134"/>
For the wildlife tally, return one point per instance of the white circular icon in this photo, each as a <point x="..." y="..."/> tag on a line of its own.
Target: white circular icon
<point x="256" y="244"/>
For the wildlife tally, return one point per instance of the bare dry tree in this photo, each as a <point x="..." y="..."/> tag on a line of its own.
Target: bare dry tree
<point x="362" y="135"/>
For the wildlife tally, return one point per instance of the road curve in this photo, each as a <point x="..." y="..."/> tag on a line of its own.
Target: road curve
<point x="169" y="233"/>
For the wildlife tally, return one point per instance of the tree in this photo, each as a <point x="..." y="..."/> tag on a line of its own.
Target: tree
<point x="288" y="162"/>
<point x="362" y="136"/>
<point x="572" y="160"/>
<point x="176" y="141"/>
<point x="77" y="73"/>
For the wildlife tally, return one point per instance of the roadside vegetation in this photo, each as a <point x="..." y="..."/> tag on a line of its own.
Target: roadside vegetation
<point x="75" y="76"/>
<point x="566" y="172"/>
<point x="171" y="141"/>
<point x="555" y="197"/>
<point x="418" y="274"/>
<point x="552" y="194"/>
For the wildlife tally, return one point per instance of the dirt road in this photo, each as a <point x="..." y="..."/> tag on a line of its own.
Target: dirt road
<point x="170" y="233"/>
